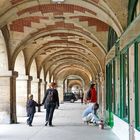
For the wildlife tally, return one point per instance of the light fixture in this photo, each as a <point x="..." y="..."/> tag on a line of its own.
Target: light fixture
<point x="57" y="1"/>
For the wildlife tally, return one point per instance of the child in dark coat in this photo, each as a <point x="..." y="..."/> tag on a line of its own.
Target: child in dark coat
<point x="31" y="104"/>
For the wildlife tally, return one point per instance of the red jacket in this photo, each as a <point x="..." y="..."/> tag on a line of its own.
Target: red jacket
<point x="93" y="98"/>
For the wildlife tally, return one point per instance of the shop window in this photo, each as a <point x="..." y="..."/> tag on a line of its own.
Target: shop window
<point x="117" y="86"/>
<point x="137" y="87"/>
<point x="125" y="87"/>
<point x="110" y="87"/>
<point x="139" y="84"/>
<point x="110" y="90"/>
<point x="113" y="87"/>
<point x="107" y="85"/>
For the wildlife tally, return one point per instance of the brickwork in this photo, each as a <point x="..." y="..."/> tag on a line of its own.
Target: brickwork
<point x="101" y="26"/>
<point x="55" y="8"/>
<point x="60" y="25"/>
<point x="18" y="25"/>
<point x="15" y="1"/>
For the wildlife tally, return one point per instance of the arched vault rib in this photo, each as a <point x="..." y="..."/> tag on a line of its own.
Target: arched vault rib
<point x="74" y="54"/>
<point x="68" y="61"/>
<point x="47" y="66"/>
<point x="46" y="31"/>
<point x="83" y="7"/>
<point x="74" y="77"/>
<point x="89" y="25"/>
<point x="61" y="75"/>
<point x="61" y="52"/>
<point x="65" y="65"/>
<point x="85" y="50"/>
<point x="75" y="82"/>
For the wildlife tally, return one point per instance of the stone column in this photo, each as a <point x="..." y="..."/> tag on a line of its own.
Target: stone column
<point x="39" y="94"/>
<point x="34" y="88"/>
<point x="98" y="88"/>
<point x="43" y="90"/>
<point x="8" y="97"/>
<point x="30" y="78"/>
<point x="22" y="91"/>
<point x="102" y="83"/>
<point x="66" y="85"/>
<point x="60" y="91"/>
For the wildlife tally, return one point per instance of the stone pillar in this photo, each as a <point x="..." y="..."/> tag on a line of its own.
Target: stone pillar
<point x="102" y="94"/>
<point x="60" y="91"/>
<point x="22" y="91"/>
<point x="30" y="78"/>
<point x="8" y="97"/>
<point x="43" y="90"/>
<point x="34" y="88"/>
<point x="66" y="85"/>
<point x="45" y="86"/>
<point x="98" y="88"/>
<point x="39" y="94"/>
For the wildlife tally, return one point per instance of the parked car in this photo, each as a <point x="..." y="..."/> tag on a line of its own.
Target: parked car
<point x="69" y="96"/>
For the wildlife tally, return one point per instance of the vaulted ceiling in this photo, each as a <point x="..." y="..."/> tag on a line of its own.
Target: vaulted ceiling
<point x="68" y="38"/>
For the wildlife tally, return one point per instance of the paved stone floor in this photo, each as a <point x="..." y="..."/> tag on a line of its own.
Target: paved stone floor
<point x="67" y="126"/>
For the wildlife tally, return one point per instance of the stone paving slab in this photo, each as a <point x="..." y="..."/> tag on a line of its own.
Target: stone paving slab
<point x="67" y="126"/>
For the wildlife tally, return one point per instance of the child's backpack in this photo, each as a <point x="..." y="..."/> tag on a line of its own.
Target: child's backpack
<point x="50" y="96"/>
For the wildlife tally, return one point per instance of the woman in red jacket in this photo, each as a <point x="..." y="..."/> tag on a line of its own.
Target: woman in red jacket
<point x="92" y="94"/>
<point x="93" y="98"/>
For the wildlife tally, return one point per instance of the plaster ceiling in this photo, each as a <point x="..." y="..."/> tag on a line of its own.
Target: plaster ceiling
<point x="63" y="38"/>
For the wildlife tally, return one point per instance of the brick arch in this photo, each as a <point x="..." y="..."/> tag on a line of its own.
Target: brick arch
<point x="16" y="52"/>
<point x="74" y="82"/>
<point x="75" y="62"/>
<point x="61" y="60"/>
<point x="51" y="45"/>
<point x="65" y="65"/>
<point x="80" y="81"/>
<point x="57" y="9"/>
<point x="69" y="71"/>
<point x="19" y="24"/>
<point x="20" y="48"/>
<point x="71" y="62"/>
<point x="59" y="53"/>
<point x="60" y="9"/>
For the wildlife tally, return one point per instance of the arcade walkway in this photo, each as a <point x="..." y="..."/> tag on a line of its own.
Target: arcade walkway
<point x="68" y="126"/>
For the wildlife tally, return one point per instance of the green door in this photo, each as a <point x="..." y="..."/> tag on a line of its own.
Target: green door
<point x="110" y="93"/>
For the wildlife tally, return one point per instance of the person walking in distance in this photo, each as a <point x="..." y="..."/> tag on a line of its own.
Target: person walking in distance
<point x="50" y="101"/>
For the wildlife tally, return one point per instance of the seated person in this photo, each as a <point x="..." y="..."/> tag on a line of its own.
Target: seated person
<point x="90" y="114"/>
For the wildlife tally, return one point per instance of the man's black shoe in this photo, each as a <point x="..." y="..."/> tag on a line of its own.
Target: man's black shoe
<point x="30" y="124"/>
<point x="51" y="125"/>
<point x="46" y="123"/>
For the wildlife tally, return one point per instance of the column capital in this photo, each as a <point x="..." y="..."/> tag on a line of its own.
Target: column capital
<point x="30" y="78"/>
<point x="8" y="73"/>
<point x="24" y="77"/>
<point x="34" y="79"/>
